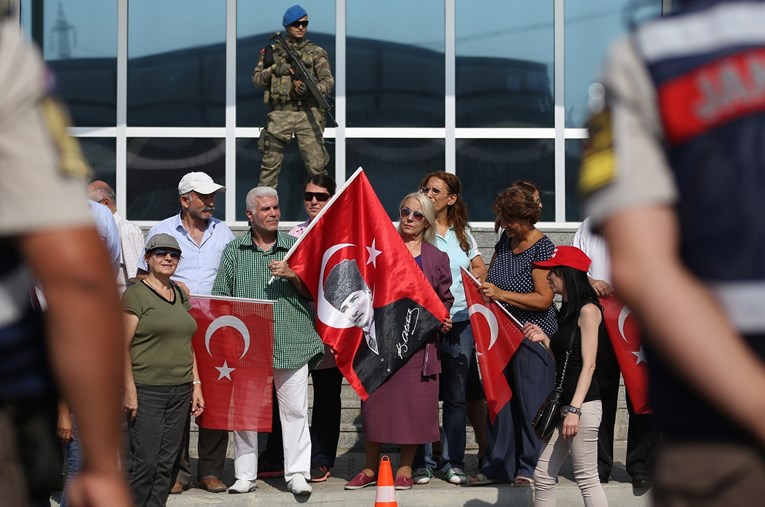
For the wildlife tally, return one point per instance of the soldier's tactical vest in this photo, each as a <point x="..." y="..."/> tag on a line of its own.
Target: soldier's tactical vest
<point x="708" y="67"/>
<point x="24" y="371"/>
<point x="281" y="91"/>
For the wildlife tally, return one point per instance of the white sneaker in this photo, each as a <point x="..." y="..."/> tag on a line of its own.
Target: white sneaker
<point x="242" y="486"/>
<point x="299" y="486"/>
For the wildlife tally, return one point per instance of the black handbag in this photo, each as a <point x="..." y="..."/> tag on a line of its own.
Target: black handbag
<point x="548" y="414"/>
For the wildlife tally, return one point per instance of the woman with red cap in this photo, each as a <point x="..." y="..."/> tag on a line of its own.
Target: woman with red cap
<point x="575" y="346"/>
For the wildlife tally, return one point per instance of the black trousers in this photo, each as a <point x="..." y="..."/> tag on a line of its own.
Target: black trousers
<point x="211" y="446"/>
<point x="155" y="440"/>
<point x="642" y="435"/>
<point x="325" y="420"/>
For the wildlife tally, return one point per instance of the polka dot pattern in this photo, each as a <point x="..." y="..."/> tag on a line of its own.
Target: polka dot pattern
<point x="512" y="272"/>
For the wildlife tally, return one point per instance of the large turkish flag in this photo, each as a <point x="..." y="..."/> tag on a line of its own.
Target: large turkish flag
<point x="625" y="339"/>
<point x="497" y="337"/>
<point x="374" y="306"/>
<point x="234" y="349"/>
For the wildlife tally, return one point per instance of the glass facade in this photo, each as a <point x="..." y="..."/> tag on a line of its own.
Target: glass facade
<point x="492" y="91"/>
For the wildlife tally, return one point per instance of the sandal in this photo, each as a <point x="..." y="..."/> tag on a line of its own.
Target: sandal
<point x="522" y="481"/>
<point x="479" y="479"/>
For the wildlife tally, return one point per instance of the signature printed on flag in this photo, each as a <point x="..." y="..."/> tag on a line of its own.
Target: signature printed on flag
<point x="403" y="346"/>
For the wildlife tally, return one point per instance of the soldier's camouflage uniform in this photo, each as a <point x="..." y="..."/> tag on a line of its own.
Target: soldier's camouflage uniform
<point x="292" y="113"/>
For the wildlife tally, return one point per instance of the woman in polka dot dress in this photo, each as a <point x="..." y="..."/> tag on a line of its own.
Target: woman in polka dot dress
<point x="513" y="447"/>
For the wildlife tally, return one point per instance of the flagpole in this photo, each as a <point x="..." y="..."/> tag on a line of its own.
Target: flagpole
<point x="500" y="305"/>
<point x="316" y="218"/>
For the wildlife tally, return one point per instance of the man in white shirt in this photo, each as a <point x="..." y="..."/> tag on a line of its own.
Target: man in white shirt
<point x="131" y="236"/>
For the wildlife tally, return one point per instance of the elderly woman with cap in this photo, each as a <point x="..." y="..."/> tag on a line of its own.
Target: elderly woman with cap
<point x="575" y="346"/>
<point x="404" y="409"/>
<point x="161" y="379"/>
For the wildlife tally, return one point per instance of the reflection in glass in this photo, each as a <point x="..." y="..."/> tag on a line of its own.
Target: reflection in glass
<point x="256" y="22"/>
<point x="590" y="28"/>
<point x="155" y="166"/>
<point x="101" y="156"/>
<point x="488" y="166"/>
<point x="395" y="63"/>
<point x="292" y="178"/>
<point x="79" y="43"/>
<point x="504" y="64"/>
<point x="176" y="63"/>
<point x="394" y="166"/>
<point x="574" y="210"/>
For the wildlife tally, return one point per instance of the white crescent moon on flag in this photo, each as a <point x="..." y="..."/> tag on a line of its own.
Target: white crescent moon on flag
<point x="228" y="321"/>
<point x="623" y="317"/>
<point x="325" y="312"/>
<point x="490" y="319"/>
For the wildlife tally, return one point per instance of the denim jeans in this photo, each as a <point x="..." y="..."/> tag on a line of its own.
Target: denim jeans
<point x="73" y="456"/>
<point x="457" y="353"/>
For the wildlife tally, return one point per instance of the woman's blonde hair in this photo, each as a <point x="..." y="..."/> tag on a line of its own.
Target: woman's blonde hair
<point x="429" y="235"/>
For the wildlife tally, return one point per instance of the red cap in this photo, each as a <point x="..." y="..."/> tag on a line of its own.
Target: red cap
<point x="569" y="256"/>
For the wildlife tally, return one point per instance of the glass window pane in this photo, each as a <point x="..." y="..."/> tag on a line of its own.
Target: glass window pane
<point x="291" y="178"/>
<point x="101" y="155"/>
<point x="574" y="149"/>
<point x="395" y="63"/>
<point x="256" y="22"/>
<point x="487" y="166"/>
<point x="79" y="41"/>
<point x="176" y="63"/>
<point x="504" y="63"/>
<point x="590" y="28"/>
<point x="155" y="166"/>
<point x="394" y="166"/>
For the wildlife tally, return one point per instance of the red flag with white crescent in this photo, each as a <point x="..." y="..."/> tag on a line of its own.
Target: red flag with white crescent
<point x="497" y="337"/>
<point x="234" y="349"/>
<point x="374" y="306"/>
<point x="625" y="339"/>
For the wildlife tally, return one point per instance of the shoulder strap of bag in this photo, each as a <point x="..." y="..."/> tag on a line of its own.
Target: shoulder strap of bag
<point x="568" y="353"/>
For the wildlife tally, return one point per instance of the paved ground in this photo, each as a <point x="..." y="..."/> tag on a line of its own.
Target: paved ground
<point x="273" y="492"/>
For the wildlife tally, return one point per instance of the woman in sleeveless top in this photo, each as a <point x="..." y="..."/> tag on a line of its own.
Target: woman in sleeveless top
<point x="574" y="346"/>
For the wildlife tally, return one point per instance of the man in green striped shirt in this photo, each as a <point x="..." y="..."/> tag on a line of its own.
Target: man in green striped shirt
<point x="246" y="266"/>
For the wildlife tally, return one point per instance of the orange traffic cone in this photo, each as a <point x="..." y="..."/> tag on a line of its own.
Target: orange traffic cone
<point x="385" y="496"/>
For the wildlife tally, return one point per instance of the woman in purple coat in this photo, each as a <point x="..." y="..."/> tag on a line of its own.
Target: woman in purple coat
<point x="404" y="409"/>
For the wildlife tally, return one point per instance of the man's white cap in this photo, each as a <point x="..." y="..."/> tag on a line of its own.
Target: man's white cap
<point x="198" y="182"/>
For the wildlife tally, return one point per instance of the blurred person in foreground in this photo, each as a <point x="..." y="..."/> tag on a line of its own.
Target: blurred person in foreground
<point x="575" y="346"/>
<point x="410" y="394"/>
<point x="513" y="281"/>
<point x="162" y="385"/>
<point x="676" y="155"/>
<point x="57" y="246"/>
<point x="460" y="384"/>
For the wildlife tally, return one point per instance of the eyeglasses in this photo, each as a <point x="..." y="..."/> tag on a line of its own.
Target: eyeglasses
<point x="299" y="24"/>
<point x="427" y="190"/>
<point x="416" y="215"/>
<point x="159" y="252"/>
<point x="319" y="196"/>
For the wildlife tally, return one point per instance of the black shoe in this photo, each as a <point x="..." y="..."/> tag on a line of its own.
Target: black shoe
<point x="604" y="479"/>
<point x="641" y="482"/>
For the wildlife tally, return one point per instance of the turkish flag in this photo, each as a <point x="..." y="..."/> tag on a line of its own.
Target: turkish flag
<point x="625" y="339"/>
<point x="497" y="337"/>
<point x="374" y="306"/>
<point x="234" y="349"/>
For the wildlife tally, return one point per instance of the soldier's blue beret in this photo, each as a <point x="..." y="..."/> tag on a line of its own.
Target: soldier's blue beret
<point x="293" y="14"/>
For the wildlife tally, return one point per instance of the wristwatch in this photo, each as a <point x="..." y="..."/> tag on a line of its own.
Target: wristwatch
<point x="570" y="409"/>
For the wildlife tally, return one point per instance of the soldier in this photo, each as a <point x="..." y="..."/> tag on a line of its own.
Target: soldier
<point x="57" y="245"/>
<point x="294" y="111"/>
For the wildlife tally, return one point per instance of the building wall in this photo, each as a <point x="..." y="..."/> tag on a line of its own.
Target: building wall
<point x="494" y="91"/>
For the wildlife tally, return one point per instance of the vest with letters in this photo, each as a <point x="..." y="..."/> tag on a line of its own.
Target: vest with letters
<point x="708" y="68"/>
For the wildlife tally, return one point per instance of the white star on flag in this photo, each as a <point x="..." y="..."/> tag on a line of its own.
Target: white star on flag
<point x="224" y="371"/>
<point x="640" y="354"/>
<point x="373" y="253"/>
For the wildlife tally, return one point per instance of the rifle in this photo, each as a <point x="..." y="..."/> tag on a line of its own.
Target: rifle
<point x="302" y="74"/>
